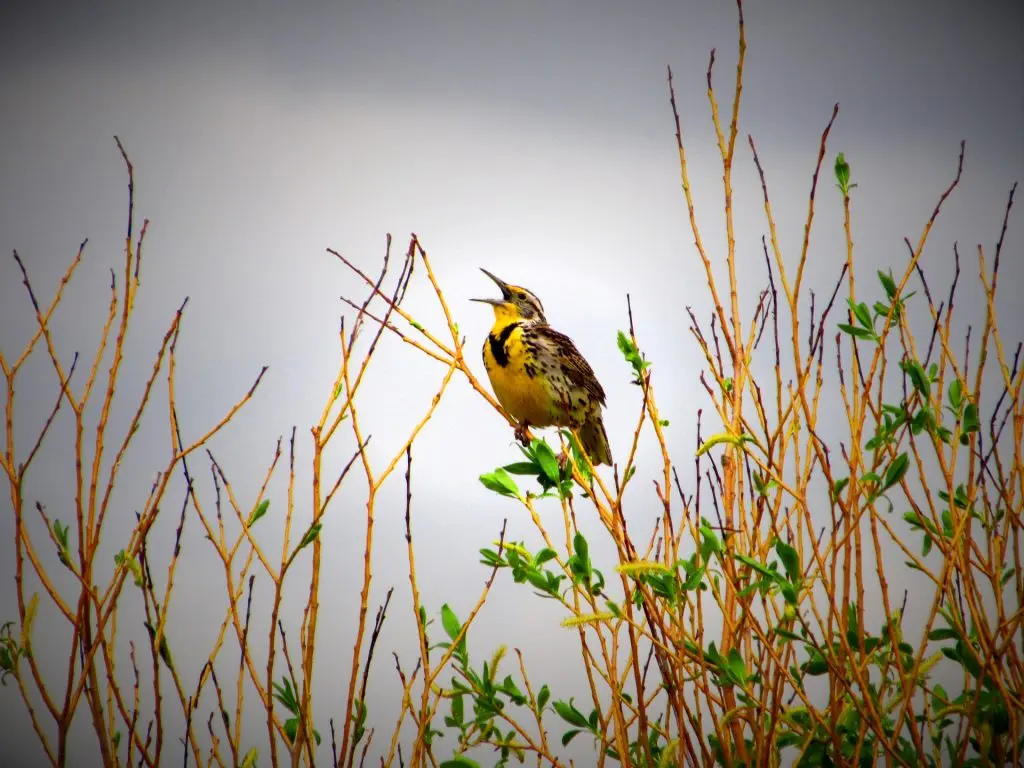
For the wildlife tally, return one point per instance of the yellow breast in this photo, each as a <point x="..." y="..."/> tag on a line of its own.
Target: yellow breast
<point x="517" y="383"/>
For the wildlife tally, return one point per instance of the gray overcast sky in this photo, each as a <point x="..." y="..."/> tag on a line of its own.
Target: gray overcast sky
<point x="532" y="138"/>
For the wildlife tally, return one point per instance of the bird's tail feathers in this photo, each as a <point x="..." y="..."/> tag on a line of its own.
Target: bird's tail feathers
<point x="595" y="441"/>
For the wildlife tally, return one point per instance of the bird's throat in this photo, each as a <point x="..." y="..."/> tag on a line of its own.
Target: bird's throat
<point x="498" y="338"/>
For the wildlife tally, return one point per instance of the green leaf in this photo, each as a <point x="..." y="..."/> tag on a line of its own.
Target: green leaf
<point x="61" y="533"/>
<point x="815" y="665"/>
<point x="538" y="580"/>
<point x="360" y="722"/>
<point x="940" y="699"/>
<point x="710" y="543"/>
<point x="626" y="345"/>
<point x="971" y="422"/>
<point x="580" y="547"/>
<point x="857" y="332"/>
<point x="132" y="564"/>
<point x="543" y="695"/>
<point x="543" y="555"/>
<point x="789" y="593"/>
<point x="947" y="523"/>
<point x="862" y="313"/>
<point x="852" y="626"/>
<point x="737" y="667"/>
<point x="568" y="712"/>
<point x="310" y="537"/>
<point x="510" y="688"/>
<point x="763" y="486"/>
<point x="7" y="663"/>
<point x="546" y="460"/>
<point x="569" y="736"/>
<point x="450" y="622"/>
<point x="762" y="569"/>
<point x="490" y="558"/>
<point x="896" y="471"/>
<point x="919" y="379"/>
<point x="164" y="649"/>
<point x="842" y="171"/>
<point x="259" y="512"/>
<point x="1008" y="573"/>
<point x="522" y="468"/>
<point x="838" y="486"/>
<point x="291" y="729"/>
<point x="460" y="761"/>
<point x="782" y="632"/>
<point x="500" y="482"/>
<point x="887" y="283"/>
<point x="249" y="761"/>
<point x="790" y="559"/>
<point x="956" y="395"/>
<point x="632" y="354"/>
<point x="285" y="695"/>
<point x="870" y="478"/>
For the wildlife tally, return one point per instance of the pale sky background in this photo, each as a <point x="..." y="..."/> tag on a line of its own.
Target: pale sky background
<point x="531" y="138"/>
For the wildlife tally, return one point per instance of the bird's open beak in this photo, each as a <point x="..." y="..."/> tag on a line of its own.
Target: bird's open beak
<point x="505" y="293"/>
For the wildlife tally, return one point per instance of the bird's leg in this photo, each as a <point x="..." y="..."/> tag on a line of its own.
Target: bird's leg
<point x="563" y="459"/>
<point x="520" y="433"/>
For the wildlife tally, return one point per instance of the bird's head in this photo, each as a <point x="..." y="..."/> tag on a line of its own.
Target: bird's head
<point x="516" y="303"/>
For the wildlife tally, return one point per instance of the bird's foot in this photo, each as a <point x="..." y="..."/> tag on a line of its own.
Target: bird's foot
<point x="563" y="460"/>
<point x="520" y="433"/>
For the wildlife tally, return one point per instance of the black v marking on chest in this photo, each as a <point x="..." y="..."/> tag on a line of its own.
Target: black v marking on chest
<point x="498" y="342"/>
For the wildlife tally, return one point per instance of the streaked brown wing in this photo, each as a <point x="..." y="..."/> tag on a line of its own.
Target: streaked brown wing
<point x="562" y="352"/>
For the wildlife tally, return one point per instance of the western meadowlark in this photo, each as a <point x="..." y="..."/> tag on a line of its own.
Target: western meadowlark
<point x="537" y="373"/>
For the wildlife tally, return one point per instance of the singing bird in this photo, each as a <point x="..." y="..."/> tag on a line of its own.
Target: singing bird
<point x="537" y="373"/>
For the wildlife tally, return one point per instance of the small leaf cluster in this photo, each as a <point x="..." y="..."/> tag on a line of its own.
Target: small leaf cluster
<point x="568" y="711"/>
<point x="540" y="462"/>
<point x="728" y="669"/>
<point x="287" y="695"/>
<point x="488" y="697"/>
<point x="867" y="318"/>
<point x="842" y="171"/>
<point x="164" y="649"/>
<point x="987" y="703"/>
<point x="60" y="533"/>
<point x="311" y="534"/>
<point x="633" y="356"/>
<point x="964" y="412"/>
<point x="885" y="652"/>
<point x="672" y="583"/>
<point x="788" y="582"/>
<point x="132" y="565"/>
<point x="10" y="651"/>
<point x="581" y="569"/>
<point x="931" y="532"/>
<point x="527" y="567"/>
